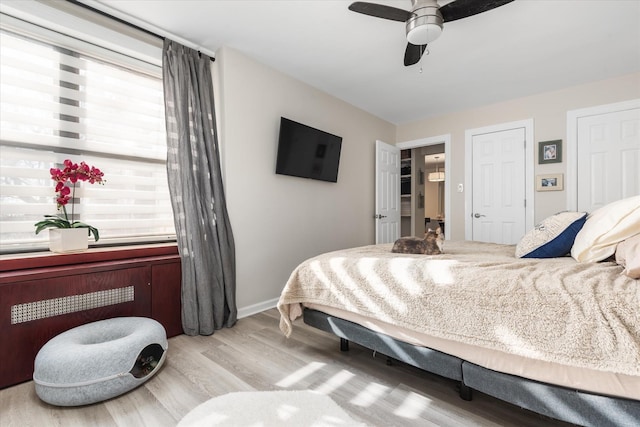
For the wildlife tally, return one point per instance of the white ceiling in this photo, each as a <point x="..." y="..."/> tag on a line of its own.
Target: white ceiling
<point x="522" y="48"/>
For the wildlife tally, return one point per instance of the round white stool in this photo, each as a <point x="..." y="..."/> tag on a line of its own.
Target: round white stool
<point x="99" y="360"/>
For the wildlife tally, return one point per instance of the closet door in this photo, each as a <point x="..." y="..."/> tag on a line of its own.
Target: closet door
<point x="608" y="158"/>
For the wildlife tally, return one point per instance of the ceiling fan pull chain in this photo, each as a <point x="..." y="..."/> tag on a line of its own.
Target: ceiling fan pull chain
<point x="422" y="55"/>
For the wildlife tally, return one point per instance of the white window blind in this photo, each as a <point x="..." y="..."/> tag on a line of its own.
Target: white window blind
<point x="58" y="103"/>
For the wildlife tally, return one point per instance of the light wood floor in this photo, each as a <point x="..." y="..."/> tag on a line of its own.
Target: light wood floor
<point x="254" y="355"/>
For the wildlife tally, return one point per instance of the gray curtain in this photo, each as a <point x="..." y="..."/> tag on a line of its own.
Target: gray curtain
<point x="205" y="239"/>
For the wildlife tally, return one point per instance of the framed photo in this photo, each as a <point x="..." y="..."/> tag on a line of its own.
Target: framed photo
<point x="550" y="152"/>
<point x="550" y="182"/>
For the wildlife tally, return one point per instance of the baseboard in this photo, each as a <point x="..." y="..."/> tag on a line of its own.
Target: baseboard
<point x="257" y="308"/>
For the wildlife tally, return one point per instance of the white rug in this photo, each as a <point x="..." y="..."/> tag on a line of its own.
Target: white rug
<point x="267" y="409"/>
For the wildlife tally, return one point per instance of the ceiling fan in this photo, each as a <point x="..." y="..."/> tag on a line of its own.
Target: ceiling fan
<point x="425" y="20"/>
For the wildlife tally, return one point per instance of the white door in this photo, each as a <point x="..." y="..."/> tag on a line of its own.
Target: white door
<point x="608" y="158"/>
<point x="387" y="193"/>
<point x="498" y="186"/>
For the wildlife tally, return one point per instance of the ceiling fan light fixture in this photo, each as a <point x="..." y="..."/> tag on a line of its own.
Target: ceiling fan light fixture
<point x="425" y="26"/>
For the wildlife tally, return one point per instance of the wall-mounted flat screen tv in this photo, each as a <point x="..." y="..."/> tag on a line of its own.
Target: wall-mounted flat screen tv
<point x="307" y="152"/>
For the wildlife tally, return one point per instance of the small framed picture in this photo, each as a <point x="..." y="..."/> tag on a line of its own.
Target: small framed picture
<point x="550" y="182"/>
<point x="550" y="151"/>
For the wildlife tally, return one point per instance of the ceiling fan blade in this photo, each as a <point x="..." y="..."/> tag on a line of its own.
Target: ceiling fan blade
<point x="413" y="53"/>
<point x="380" y="11"/>
<point x="459" y="9"/>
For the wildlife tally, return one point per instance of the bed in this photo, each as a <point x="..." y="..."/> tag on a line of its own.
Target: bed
<point x="553" y="335"/>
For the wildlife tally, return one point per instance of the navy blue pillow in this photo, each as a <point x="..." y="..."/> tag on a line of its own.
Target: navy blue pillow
<point x="553" y="237"/>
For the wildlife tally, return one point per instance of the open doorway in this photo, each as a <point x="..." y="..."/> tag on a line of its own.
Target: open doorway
<point x="428" y="199"/>
<point x="422" y="193"/>
<point x="434" y="195"/>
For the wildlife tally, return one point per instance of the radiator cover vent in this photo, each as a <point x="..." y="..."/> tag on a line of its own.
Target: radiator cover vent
<point x="26" y="312"/>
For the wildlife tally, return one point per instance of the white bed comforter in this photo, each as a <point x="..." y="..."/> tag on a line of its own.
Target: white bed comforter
<point x="555" y="310"/>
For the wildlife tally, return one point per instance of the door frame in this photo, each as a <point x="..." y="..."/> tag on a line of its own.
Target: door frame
<point x="528" y="165"/>
<point x="425" y="142"/>
<point x="571" y="183"/>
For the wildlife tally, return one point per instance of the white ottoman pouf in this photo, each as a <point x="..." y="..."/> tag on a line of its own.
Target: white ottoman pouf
<point x="99" y="360"/>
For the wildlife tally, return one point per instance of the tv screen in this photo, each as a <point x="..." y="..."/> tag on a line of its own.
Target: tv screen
<point x="307" y="152"/>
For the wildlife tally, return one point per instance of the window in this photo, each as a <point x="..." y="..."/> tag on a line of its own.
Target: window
<point x="80" y="103"/>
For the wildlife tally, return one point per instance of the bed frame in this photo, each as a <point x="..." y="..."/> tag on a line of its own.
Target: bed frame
<point x="557" y="402"/>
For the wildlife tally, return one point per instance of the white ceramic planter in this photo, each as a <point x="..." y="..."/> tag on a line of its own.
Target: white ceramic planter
<point x="64" y="240"/>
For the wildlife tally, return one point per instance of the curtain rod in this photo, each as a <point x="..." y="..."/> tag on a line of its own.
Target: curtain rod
<point x="122" y="21"/>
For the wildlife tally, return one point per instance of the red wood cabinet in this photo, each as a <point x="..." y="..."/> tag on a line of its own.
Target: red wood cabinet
<point x="43" y="296"/>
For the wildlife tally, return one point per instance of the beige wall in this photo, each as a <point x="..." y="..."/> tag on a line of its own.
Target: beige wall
<point x="279" y="221"/>
<point x="549" y="112"/>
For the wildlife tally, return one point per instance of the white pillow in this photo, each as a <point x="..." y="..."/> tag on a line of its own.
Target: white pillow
<point x="628" y="256"/>
<point x="605" y="228"/>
